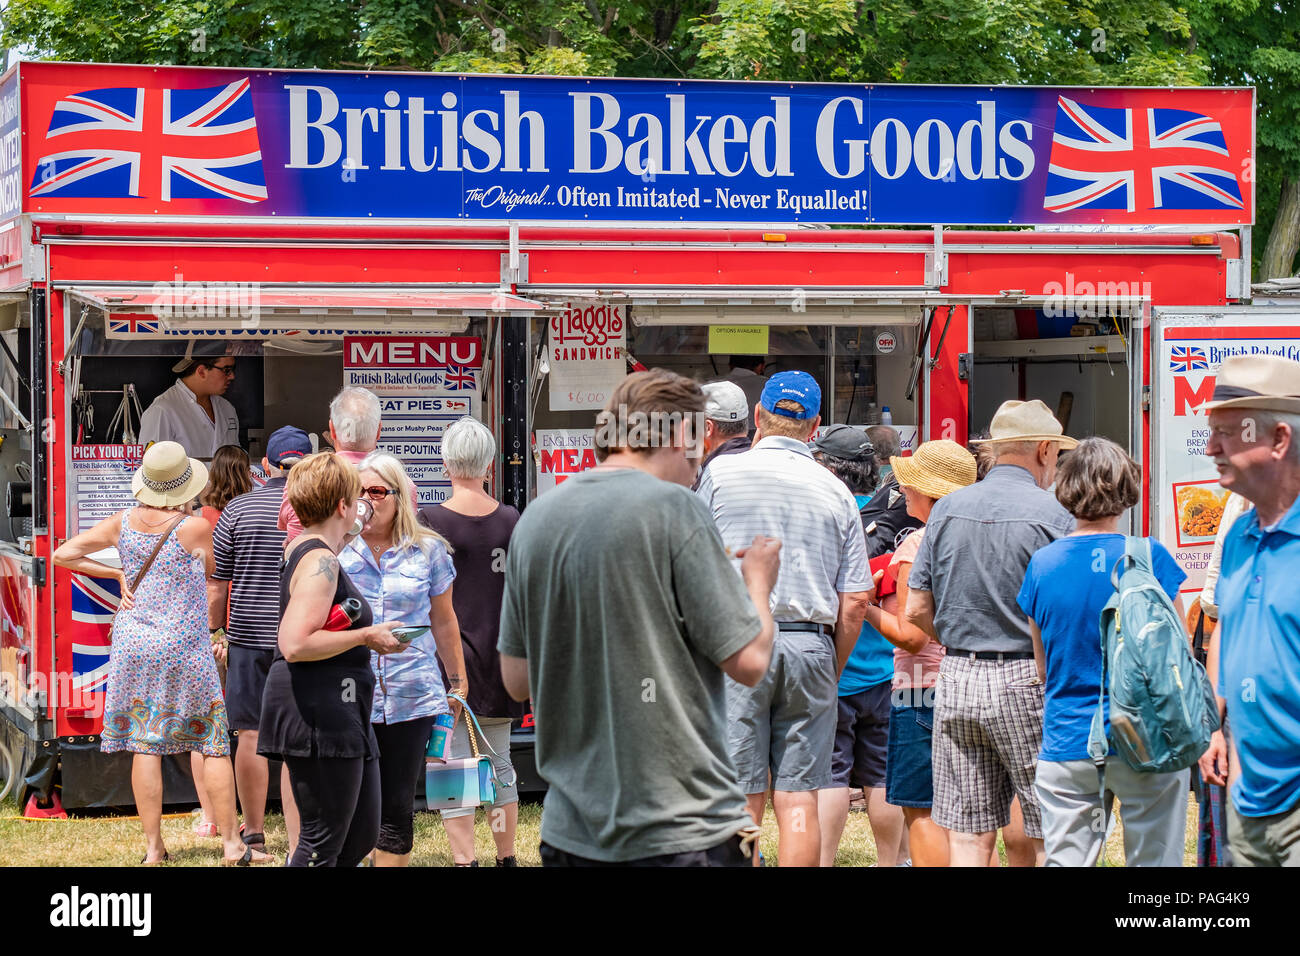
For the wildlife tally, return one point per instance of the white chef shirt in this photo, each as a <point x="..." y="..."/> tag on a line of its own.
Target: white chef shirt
<point x="175" y="415"/>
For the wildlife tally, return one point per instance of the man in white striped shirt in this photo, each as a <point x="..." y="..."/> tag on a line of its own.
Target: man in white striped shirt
<point x="785" y="725"/>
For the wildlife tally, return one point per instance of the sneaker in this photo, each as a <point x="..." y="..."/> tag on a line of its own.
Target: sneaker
<point x="508" y="861"/>
<point x="205" y="828"/>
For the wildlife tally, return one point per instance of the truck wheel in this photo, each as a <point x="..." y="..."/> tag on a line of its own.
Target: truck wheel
<point x="9" y="772"/>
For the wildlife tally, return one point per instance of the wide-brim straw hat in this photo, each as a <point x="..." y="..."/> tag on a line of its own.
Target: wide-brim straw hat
<point x="936" y="468"/>
<point x="1025" y="421"/>
<point x="168" y="477"/>
<point x="1267" y="382"/>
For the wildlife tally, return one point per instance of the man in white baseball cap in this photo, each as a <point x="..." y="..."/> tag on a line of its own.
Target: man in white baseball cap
<point x="726" y="422"/>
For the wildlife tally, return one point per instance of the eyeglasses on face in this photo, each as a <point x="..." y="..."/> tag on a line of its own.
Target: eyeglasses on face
<point x="378" y="492"/>
<point x="224" y="369"/>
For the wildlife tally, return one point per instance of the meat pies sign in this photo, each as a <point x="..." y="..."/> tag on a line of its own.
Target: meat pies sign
<point x="588" y="342"/>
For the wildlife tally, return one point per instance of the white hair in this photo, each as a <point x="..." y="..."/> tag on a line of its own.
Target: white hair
<point x="355" y="414"/>
<point x="468" y="449"/>
<point x="1267" y="420"/>
<point x="1004" y="448"/>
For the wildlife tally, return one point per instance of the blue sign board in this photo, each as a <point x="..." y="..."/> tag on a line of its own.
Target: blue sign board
<point x="428" y="146"/>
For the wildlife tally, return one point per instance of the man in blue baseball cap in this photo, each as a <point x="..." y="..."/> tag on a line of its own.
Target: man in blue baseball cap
<point x="247" y="547"/>
<point x="785" y="725"/>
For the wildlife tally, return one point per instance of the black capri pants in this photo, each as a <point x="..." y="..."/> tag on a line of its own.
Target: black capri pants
<point x="401" y="758"/>
<point x="338" y="801"/>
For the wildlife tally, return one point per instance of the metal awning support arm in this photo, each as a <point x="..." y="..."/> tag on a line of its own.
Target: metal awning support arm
<point x="74" y="342"/>
<point x="22" y="419"/>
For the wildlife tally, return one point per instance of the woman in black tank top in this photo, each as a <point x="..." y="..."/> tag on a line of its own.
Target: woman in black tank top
<point x="316" y="705"/>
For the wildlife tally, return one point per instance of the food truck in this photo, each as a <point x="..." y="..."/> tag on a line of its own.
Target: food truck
<point x="509" y="247"/>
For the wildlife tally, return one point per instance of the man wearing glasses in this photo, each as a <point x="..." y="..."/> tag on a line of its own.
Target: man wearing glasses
<point x="193" y="412"/>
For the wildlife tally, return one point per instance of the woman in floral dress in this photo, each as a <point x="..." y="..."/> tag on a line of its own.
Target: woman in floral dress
<point x="163" y="695"/>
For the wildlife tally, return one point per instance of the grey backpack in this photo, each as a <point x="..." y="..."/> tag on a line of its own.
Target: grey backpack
<point x="1162" y="708"/>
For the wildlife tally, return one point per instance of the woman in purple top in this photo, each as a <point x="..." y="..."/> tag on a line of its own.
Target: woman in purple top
<point x="478" y="528"/>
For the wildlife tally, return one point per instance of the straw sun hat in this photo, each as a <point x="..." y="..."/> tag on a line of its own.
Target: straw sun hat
<point x="936" y="468"/>
<point x="167" y="477"/>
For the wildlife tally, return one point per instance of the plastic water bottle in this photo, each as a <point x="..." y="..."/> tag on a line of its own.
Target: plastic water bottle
<point x="886" y="418"/>
<point x="442" y="725"/>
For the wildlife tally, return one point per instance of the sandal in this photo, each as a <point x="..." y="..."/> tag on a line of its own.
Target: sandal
<point x="255" y="840"/>
<point x="167" y="858"/>
<point x="247" y="859"/>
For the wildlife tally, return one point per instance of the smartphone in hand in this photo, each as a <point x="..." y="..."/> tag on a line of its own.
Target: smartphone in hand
<point x="408" y="634"/>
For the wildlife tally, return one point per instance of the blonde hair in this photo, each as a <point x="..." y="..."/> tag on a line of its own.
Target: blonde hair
<point x="318" y="483"/>
<point x="407" y="530"/>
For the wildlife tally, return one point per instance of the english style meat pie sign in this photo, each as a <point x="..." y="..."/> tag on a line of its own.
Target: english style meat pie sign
<point x="186" y="141"/>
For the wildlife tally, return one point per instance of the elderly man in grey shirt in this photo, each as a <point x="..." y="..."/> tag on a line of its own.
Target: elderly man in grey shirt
<point x="988" y="718"/>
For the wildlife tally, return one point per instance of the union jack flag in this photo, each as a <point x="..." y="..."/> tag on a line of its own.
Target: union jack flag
<point x="1138" y="159"/>
<point x="1187" y="358"/>
<point x="459" y="378"/>
<point x="94" y="602"/>
<point x="162" y="144"/>
<point x="132" y="324"/>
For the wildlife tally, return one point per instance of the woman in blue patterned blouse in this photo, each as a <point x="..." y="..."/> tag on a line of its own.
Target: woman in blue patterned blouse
<point x="404" y="570"/>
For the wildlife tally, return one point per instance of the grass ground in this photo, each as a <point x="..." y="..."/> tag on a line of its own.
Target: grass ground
<point x="117" y="841"/>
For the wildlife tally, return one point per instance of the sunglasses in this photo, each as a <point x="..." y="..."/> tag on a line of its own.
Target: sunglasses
<point x="378" y="492"/>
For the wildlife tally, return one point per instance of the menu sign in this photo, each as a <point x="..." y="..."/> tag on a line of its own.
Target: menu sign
<point x="424" y="383"/>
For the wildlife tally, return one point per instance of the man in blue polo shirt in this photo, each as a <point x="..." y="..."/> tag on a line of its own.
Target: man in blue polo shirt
<point x="1255" y="443"/>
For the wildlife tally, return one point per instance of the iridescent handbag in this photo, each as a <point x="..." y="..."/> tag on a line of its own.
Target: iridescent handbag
<point x="462" y="782"/>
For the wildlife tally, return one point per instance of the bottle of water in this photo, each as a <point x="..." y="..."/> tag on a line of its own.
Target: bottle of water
<point x="886" y="418"/>
<point x="442" y="727"/>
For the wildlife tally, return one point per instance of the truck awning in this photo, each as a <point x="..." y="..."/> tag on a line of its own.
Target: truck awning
<point x="158" y="310"/>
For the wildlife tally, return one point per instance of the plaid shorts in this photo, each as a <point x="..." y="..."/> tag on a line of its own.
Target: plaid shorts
<point x="988" y="727"/>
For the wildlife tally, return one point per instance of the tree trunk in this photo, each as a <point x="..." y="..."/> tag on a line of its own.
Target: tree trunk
<point x="1284" y="240"/>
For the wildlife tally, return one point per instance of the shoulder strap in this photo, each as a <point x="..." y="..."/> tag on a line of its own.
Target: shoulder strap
<point x="471" y="725"/>
<point x="162" y="539"/>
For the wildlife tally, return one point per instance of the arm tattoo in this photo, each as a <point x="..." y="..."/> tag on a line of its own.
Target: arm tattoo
<point x="328" y="567"/>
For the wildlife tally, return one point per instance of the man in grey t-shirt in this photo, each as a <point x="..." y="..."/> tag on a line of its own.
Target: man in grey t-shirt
<point x="621" y="615"/>
<point x="988" y="705"/>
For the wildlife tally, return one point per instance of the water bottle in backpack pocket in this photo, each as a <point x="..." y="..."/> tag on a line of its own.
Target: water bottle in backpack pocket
<point x="1162" y="707"/>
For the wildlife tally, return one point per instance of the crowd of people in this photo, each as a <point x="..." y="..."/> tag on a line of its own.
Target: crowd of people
<point x="736" y="606"/>
<point x="955" y="663"/>
<point x="225" y="583"/>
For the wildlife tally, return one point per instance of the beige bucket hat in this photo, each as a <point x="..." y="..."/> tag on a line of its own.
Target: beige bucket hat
<point x="1026" y="421"/>
<point x="936" y="468"/>
<point x="1257" y="381"/>
<point x="168" y="477"/>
